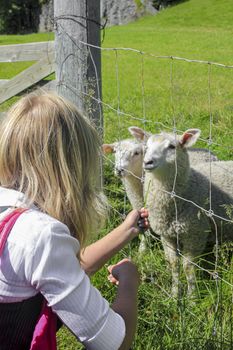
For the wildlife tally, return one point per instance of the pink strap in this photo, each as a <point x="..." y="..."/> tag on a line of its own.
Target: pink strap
<point x="7" y="224"/>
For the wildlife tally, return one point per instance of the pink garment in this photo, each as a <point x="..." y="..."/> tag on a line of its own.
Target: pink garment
<point x="44" y="336"/>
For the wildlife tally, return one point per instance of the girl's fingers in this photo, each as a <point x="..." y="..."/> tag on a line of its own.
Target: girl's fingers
<point x="113" y="279"/>
<point x="143" y="223"/>
<point x="143" y="220"/>
<point x="110" y="267"/>
<point x="144" y="212"/>
<point x="144" y="215"/>
<point x="123" y="260"/>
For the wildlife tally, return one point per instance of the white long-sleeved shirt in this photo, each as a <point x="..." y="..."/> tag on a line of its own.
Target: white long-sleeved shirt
<point x="40" y="256"/>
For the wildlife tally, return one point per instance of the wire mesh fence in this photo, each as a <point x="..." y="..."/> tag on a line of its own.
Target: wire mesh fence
<point x="172" y="94"/>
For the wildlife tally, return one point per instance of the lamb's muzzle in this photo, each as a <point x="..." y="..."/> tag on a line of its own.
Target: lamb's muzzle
<point x="150" y="165"/>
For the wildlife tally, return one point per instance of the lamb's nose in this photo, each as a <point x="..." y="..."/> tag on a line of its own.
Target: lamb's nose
<point x="149" y="162"/>
<point x="149" y="165"/>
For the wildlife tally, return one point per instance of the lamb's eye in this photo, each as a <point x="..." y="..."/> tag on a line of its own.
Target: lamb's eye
<point x="136" y="153"/>
<point x="171" y="146"/>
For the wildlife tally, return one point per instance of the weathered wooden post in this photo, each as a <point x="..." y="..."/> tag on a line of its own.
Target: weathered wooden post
<point x="78" y="72"/>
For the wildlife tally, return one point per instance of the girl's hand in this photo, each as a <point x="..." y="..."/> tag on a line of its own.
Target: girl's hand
<point x="143" y="222"/>
<point x="135" y="221"/>
<point x="123" y="270"/>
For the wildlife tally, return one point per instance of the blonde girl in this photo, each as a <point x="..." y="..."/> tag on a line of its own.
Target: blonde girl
<point x="49" y="159"/>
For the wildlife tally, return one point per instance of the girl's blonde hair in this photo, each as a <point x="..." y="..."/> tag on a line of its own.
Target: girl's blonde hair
<point x="50" y="152"/>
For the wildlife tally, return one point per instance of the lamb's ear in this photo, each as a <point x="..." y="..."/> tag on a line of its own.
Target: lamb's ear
<point x="190" y="137"/>
<point x="138" y="133"/>
<point x="108" y="148"/>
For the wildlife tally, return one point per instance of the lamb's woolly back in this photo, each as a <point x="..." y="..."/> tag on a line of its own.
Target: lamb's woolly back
<point x="199" y="155"/>
<point x="218" y="184"/>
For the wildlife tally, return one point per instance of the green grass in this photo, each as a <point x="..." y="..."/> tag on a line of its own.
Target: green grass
<point x="171" y="90"/>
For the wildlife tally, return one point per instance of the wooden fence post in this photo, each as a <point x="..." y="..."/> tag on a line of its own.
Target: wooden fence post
<point x="78" y="66"/>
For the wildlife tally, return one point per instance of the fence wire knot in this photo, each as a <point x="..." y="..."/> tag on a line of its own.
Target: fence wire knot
<point x="173" y="194"/>
<point x="215" y="275"/>
<point x="210" y="213"/>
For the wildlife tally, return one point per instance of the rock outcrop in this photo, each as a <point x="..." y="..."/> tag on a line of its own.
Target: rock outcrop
<point x="124" y="11"/>
<point x="115" y="12"/>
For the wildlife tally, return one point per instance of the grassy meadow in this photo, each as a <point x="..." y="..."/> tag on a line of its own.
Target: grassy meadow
<point x="143" y="89"/>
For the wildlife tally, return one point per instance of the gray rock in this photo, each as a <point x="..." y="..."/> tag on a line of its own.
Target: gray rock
<point x="118" y="12"/>
<point x="115" y="12"/>
<point x="148" y="7"/>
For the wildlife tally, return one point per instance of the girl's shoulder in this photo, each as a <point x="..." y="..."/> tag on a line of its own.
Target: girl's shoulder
<point x="35" y="219"/>
<point x="38" y="219"/>
<point x="34" y="227"/>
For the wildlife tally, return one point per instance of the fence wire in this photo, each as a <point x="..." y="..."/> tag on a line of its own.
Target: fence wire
<point x="214" y="273"/>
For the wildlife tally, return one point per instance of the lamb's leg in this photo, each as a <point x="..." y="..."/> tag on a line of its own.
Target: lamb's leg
<point x="173" y="259"/>
<point x="189" y="270"/>
<point x="193" y="246"/>
<point x="143" y="244"/>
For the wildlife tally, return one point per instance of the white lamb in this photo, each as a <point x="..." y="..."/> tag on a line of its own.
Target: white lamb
<point x="169" y="178"/>
<point x="128" y="165"/>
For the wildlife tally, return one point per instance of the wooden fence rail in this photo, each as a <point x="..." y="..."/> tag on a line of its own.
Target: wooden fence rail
<point x="25" y="52"/>
<point x="41" y="52"/>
